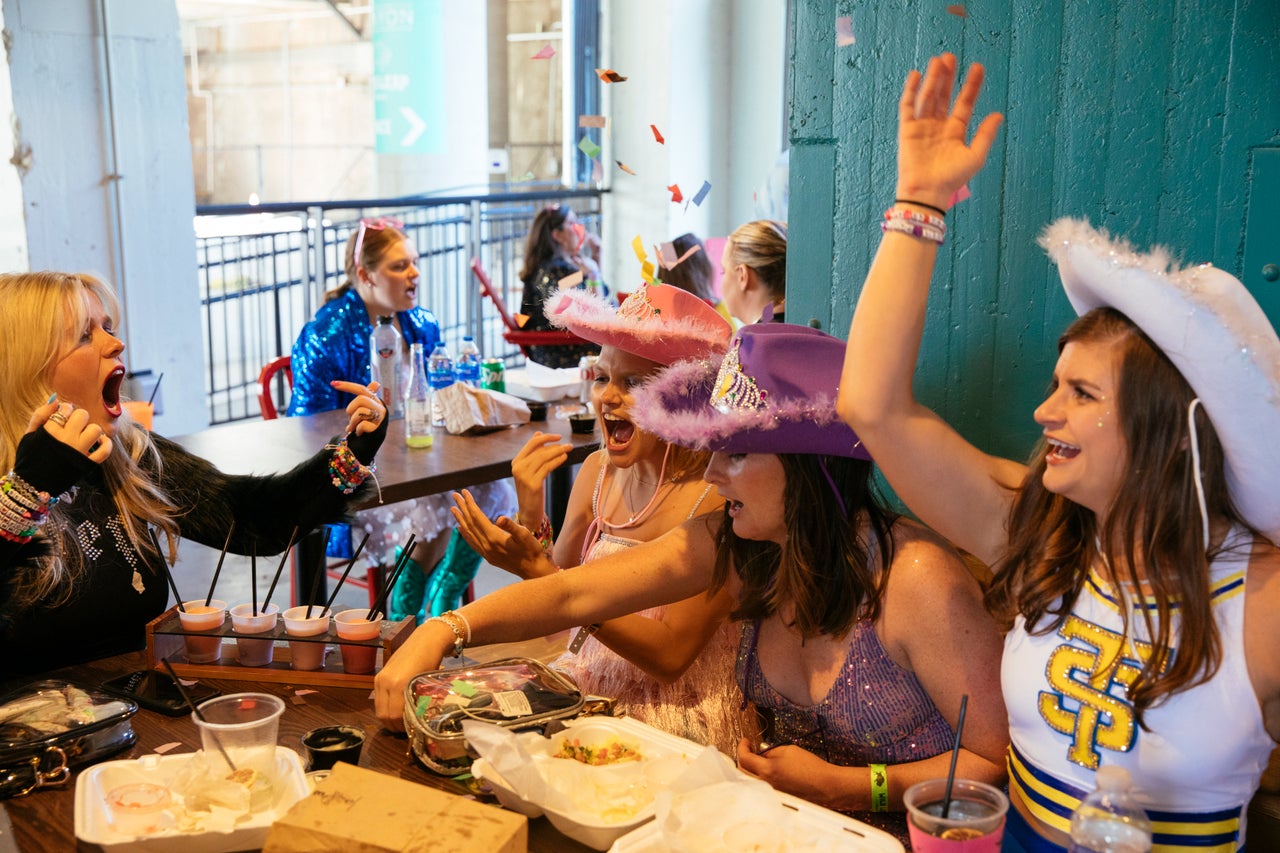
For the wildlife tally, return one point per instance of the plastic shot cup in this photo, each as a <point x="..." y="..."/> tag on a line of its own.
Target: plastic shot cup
<point x="306" y="655"/>
<point x="328" y="745"/>
<point x="352" y="625"/>
<point x="245" y="621"/>
<point x="974" y="823"/>
<point x="245" y="726"/>
<point x="197" y="616"/>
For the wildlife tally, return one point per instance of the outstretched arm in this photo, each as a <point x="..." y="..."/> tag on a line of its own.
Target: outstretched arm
<point x="945" y="480"/>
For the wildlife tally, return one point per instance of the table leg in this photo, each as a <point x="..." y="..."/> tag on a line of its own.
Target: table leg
<point x="558" y="488"/>
<point x="308" y="560"/>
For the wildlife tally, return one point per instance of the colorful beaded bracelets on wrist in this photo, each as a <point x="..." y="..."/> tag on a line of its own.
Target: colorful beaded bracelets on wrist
<point x="879" y="788"/>
<point x="23" y="508"/>
<point x="346" y="472"/>
<point x="461" y="628"/>
<point x="914" y="223"/>
<point x="544" y="535"/>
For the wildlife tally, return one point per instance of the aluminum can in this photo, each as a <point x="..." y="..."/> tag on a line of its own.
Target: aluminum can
<point x="491" y="375"/>
<point x="587" y="374"/>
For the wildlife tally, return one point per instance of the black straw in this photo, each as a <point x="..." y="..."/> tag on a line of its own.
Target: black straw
<point x="218" y="569"/>
<point x="177" y="596"/>
<point x="329" y="604"/>
<point x="266" y="602"/>
<point x="253" y="577"/>
<point x="315" y="582"/>
<point x="186" y="697"/>
<point x="955" y="753"/>
<point x="395" y="576"/>
<point x="155" y="389"/>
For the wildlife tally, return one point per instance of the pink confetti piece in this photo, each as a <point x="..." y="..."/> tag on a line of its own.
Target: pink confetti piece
<point x="958" y="10"/>
<point x="844" y="31"/>
<point x="166" y="747"/>
<point x="657" y="135"/>
<point x="592" y="121"/>
<point x="702" y="193"/>
<point x="693" y="250"/>
<point x="597" y="171"/>
<point x="546" y="53"/>
<point x="958" y="196"/>
<point x="676" y="195"/>
<point x="570" y="281"/>
<point x="304" y="691"/>
<point x="666" y="254"/>
<point x="608" y="75"/>
<point x="624" y="167"/>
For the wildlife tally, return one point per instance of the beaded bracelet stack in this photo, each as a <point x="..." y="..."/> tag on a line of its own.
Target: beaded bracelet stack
<point x="23" y="508"/>
<point x="460" y="627"/>
<point x="904" y="220"/>
<point x="345" y="470"/>
<point x="544" y="535"/>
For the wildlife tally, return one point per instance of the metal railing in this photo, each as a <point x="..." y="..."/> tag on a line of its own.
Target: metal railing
<point x="263" y="271"/>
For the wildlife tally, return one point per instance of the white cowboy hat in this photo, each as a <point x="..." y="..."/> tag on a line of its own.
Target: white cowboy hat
<point x="1213" y="331"/>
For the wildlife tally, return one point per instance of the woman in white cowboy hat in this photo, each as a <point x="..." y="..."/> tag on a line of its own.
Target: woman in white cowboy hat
<point x="1134" y="561"/>
<point x="861" y="631"/>
<point x="669" y="666"/>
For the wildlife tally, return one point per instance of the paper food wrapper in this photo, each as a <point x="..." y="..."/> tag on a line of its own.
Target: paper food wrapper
<point x="368" y="812"/>
<point x="609" y="794"/>
<point x="479" y="410"/>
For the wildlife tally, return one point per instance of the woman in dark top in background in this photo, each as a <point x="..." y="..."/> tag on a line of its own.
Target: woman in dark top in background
<point x="552" y="252"/>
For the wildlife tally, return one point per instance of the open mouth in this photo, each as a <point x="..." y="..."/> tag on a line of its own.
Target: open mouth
<point x="111" y="391"/>
<point x="1061" y="451"/>
<point x="618" y="431"/>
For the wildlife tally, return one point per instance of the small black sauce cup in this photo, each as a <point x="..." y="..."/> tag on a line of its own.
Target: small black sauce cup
<point x="328" y="745"/>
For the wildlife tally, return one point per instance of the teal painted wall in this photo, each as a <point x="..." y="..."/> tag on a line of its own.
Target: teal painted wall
<point x="1143" y="116"/>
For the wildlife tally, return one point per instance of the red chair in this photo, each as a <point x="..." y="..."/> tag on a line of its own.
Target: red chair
<point x="512" y="333"/>
<point x="282" y="368"/>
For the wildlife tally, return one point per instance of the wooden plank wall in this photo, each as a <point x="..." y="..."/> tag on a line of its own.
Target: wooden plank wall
<point x="1139" y="115"/>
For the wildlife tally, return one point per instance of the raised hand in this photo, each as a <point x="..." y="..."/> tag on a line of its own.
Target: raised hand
<point x="71" y="426"/>
<point x="934" y="160"/>
<point x="540" y="455"/>
<point x="366" y="411"/>
<point x="504" y="543"/>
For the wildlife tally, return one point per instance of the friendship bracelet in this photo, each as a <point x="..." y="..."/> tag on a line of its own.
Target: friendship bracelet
<point x="346" y="471"/>
<point x="23" y="509"/>
<point x="914" y="229"/>
<point x="879" y="788"/>
<point x="458" y="643"/>
<point x="545" y="535"/>
<point x="936" y="210"/>
<point x="453" y="614"/>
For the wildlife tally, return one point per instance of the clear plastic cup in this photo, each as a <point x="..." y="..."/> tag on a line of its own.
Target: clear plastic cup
<point x="974" y="823"/>
<point x="352" y="625"/>
<point x="197" y="616"/>
<point x="244" y="726"/>
<point x="298" y="624"/>
<point x="244" y="620"/>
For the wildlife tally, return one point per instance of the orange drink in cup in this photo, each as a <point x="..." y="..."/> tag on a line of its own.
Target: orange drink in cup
<point x="141" y="411"/>
<point x="198" y="616"/>
<point x="353" y="625"/>
<point x="306" y="655"/>
<point x="246" y="621"/>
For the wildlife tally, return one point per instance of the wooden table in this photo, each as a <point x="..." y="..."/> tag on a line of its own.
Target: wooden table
<point x="453" y="462"/>
<point x="45" y="819"/>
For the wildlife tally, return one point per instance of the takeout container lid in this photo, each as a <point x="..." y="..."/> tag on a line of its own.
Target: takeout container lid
<point x="438" y="741"/>
<point x="95" y="724"/>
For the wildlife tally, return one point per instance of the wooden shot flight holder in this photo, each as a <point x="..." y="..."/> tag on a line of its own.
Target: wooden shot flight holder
<point x="166" y="638"/>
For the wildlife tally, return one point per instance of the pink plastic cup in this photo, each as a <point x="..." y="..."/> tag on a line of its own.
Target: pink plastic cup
<point x="297" y="624"/>
<point x="352" y="625"/>
<point x="200" y="617"/>
<point x="245" y="621"/>
<point x="974" y="823"/>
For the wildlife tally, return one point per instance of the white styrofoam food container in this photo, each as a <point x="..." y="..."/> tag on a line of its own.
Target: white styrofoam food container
<point x="545" y="383"/>
<point x="654" y="744"/>
<point x="93" y="824"/>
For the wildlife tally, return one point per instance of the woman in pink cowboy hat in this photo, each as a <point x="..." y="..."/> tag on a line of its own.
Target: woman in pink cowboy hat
<point x="1133" y="553"/>
<point x="861" y="630"/>
<point x="668" y="666"/>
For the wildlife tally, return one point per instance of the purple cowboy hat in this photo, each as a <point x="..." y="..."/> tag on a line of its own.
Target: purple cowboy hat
<point x="773" y="392"/>
<point x="658" y="322"/>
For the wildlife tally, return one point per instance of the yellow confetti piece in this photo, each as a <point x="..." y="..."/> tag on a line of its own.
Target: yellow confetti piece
<point x="637" y="245"/>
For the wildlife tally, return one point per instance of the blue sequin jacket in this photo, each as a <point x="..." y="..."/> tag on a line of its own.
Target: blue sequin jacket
<point x="335" y="345"/>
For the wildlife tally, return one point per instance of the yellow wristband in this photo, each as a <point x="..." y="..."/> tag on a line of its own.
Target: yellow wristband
<point x="879" y="788"/>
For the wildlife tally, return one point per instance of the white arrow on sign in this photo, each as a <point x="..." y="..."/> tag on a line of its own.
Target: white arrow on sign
<point x="416" y="126"/>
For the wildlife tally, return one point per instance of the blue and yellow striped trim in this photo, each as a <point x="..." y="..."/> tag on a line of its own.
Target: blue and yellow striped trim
<point x="1224" y="589"/>
<point x="1051" y="801"/>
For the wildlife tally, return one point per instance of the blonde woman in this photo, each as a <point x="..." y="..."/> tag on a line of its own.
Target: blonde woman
<point x="86" y="486"/>
<point x="754" y="267"/>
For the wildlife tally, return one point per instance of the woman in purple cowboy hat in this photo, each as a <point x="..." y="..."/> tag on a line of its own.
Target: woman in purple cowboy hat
<point x="668" y="666"/>
<point x="861" y="630"/>
<point x="1134" y="556"/>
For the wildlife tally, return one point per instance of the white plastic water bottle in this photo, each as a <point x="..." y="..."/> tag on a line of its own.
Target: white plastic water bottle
<point x="1109" y="820"/>
<point x="384" y="364"/>
<point x="468" y="363"/>
<point x="440" y="374"/>
<point x="417" y="401"/>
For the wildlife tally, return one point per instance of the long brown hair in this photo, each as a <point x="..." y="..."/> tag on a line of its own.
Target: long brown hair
<point x="829" y="568"/>
<point x="540" y="246"/>
<point x="694" y="273"/>
<point x="1153" y="521"/>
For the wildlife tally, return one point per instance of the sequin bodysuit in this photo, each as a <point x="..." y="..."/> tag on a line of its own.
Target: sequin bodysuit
<point x="701" y="705"/>
<point x="876" y="711"/>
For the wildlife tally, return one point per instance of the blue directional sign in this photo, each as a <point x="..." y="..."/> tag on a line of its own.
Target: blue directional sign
<point x="408" y="76"/>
